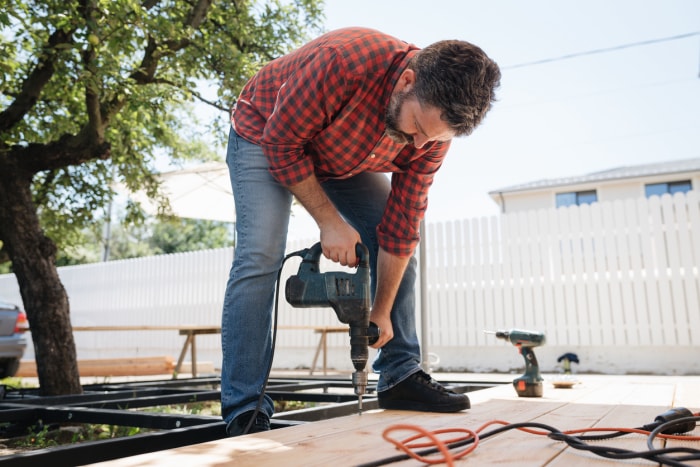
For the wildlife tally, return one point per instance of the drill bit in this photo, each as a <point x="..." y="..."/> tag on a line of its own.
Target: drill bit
<point x="359" y="404"/>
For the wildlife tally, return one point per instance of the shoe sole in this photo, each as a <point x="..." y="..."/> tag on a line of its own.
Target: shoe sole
<point x="423" y="407"/>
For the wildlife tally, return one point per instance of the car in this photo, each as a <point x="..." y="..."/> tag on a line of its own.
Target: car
<point x="13" y="342"/>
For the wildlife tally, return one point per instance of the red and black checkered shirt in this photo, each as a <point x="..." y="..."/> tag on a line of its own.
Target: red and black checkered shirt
<point x="320" y="109"/>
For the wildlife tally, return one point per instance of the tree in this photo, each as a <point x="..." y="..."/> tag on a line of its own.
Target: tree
<point x="157" y="237"/>
<point x="92" y="91"/>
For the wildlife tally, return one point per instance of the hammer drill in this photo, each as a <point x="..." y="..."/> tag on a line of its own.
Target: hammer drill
<point x="530" y="383"/>
<point x="348" y="295"/>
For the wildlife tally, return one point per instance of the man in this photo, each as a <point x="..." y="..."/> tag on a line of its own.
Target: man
<point x="323" y="124"/>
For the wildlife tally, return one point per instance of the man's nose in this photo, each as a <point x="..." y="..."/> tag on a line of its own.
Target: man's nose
<point x="419" y="141"/>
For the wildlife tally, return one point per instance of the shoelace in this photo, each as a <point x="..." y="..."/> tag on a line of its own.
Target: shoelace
<point x="429" y="381"/>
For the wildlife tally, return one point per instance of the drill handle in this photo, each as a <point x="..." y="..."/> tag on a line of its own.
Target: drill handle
<point x="313" y="255"/>
<point x="532" y="368"/>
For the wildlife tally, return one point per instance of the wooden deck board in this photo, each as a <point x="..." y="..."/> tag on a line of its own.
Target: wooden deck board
<point x="599" y="401"/>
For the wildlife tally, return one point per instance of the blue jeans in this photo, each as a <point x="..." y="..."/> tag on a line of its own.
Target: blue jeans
<point x="262" y="217"/>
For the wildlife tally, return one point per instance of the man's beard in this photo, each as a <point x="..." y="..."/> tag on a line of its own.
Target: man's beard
<point x="391" y="118"/>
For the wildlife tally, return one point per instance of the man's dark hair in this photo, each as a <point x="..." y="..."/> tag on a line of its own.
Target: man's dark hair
<point x="458" y="78"/>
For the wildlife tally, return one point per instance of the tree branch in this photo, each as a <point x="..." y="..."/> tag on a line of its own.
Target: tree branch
<point x="36" y="80"/>
<point x="145" y="73"/>
<point x="94" y="126"/>
<point x="67" y="150"/>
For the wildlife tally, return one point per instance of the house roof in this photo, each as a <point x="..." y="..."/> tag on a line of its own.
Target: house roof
<point x="618" y="173"/>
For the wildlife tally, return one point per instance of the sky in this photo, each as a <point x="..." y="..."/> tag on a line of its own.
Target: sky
<point x="566" y="106"/>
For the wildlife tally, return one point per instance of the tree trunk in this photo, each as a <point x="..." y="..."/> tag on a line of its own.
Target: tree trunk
<point x="44" y="297"/>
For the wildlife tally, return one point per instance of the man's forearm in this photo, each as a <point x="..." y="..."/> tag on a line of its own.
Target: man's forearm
<point x="315" y="201"/>
<point x="338" y="238"/>
<point x="390" y="271"/>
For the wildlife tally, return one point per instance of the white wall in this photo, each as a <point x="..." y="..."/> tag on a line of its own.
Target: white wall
<point x="612" y="190"/>
<point x="616" y="283"/>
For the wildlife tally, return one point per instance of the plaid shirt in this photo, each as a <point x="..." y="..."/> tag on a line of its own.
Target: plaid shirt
<point x="320" y="109"/>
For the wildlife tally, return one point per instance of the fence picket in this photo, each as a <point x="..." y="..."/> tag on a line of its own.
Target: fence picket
<point x="649" y="282"/>
<point x="689" y="226"/>
<point x="680" y="313"/>
<point x="623" y="282"/>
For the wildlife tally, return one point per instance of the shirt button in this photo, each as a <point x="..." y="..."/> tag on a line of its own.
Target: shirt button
<point x="373" y="156"/>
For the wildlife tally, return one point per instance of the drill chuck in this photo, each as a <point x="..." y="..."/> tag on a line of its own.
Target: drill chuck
<point x="359" y="382"/>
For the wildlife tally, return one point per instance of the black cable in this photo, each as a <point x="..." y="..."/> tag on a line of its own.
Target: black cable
<point x="670" y="424"/>
<point x="274" y="338"/>
<point x="428" y="451"/>
<point x="654" y="455"/>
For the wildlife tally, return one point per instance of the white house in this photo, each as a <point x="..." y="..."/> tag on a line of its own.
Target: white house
<point x="609" y="185"/>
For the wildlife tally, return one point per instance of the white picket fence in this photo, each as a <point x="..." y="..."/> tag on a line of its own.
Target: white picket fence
<point x="617" y="283"/>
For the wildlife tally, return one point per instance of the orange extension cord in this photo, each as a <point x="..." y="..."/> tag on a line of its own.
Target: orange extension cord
<point x="436" y="441"/>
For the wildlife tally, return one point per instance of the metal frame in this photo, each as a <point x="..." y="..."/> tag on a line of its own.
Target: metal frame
<point x="112" y="404"/>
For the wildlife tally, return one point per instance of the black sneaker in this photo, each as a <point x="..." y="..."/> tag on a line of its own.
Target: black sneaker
<point x="421" y="392"/>
<point x="239" y="424"/>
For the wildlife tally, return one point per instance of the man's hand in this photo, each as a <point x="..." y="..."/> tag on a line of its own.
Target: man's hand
<point x="338" y="241"/>
<point x="338" y="238"/>
<point x="383" y="322"/>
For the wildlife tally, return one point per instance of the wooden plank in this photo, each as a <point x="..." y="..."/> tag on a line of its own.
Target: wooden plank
<point x="205" y="328"/>
<point x="484" y="316"/>
<point x="630" y="404"/>
<point x="570" y="324"/>
<point x="591" y="313"/>
<point x="129" y="366"/>
<point x="529" y="241"/>
<point x="557" y="318"/>
<point x="693" y="272"/>
<point x="639" y="302"/>
<point x="549" y="307"/>
<point x="433" y="268"/>
<point x="612" y="279"/>
<point x="627" y="305"/>
<point x="476" y="336"/>
<point x="442" y="312"/>
<point x="461" y="309"/>
<point x="516" y="252"/>
<point x="666" y="317"/>
<point x="603" y="315"/>
<point x="599" y="401"/>
<point x="687" y="261"/>
<point x="538" y="256"/>
<point x="677" y="304"/>
<point x="581" y="325"/>
<point x="651" y="294"/>
<point x="487" y="283"/>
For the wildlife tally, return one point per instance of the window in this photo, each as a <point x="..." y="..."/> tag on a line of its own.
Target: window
<point x="658" y="189"/>
<point x="576" y="198"/>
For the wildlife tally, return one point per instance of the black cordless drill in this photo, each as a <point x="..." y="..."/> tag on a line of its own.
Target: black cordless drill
<point x="348" y="295"/>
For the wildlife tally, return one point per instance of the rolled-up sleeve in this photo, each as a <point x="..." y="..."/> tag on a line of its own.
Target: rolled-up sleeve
<point x="399" y="230"/>
<point x="305" y="105"/>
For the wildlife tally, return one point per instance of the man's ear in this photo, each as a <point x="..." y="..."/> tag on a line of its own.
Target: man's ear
<point x="406" y="80"/>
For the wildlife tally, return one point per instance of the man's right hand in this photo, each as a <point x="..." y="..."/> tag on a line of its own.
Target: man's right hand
<point x="338" y="238"/>
<point x="338" y="242"/>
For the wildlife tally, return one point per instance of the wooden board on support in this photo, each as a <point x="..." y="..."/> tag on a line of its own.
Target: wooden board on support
<point x="128" y="366"/>
<point x="597" y="401"/>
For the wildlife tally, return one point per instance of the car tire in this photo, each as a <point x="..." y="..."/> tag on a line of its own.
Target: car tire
<point x="8" y="367"/>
